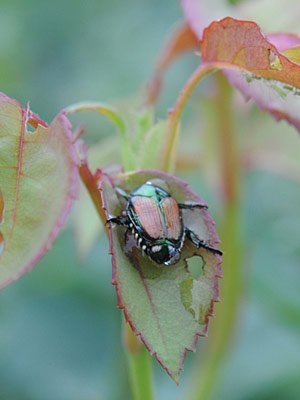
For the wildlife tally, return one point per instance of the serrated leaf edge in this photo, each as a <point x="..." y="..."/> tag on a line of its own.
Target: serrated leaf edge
<point x="217" y="274"/>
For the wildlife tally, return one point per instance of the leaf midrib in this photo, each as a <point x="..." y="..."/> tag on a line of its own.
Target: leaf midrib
<point x="17" y="180"/>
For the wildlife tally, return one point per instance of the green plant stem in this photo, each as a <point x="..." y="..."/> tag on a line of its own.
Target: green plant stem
<point x="222" y="326"/>
<point x="139" y="365"/>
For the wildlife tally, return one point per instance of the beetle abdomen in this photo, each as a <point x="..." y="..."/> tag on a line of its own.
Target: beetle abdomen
<point x="173" y="224"/>
<point x="149" y="216"/>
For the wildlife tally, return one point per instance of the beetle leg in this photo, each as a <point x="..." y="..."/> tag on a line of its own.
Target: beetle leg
<point x="122" y="220"/>
<point x="191" y="206"/>
<point x="200" y="243"/>
<point x="125" y="221"/>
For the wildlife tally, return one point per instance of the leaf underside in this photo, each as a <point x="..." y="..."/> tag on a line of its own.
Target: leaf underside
<point x="38" y="181"/>
<point x="165" y="306"/>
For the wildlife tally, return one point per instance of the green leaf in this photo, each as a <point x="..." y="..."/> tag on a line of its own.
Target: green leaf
<point x="148" y="140"/>
<point x="38" y="181"/>
<point x="138" y="122"/>
<point x="150" y="153"/>
<point x="127" y="151"/>
<point x="104" y="109"/>
<point x="166" y="306"/>
<point x="144" y="120"/>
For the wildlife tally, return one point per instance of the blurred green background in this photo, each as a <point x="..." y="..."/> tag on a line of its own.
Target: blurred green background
<point x="60" y="335"/>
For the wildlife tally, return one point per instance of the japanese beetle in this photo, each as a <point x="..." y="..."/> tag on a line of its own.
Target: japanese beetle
<point x="155" y="219"/>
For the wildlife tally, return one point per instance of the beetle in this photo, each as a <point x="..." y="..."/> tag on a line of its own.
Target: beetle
<point x="155" y="219"/>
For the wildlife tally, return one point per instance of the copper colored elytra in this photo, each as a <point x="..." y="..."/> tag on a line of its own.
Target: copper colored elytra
<point x="154" y="217"/>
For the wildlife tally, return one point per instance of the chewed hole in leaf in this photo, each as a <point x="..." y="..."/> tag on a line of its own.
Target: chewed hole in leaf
<point x="30" y="128"/>
<point x="195" y="298"/>
<point x="30" y="123"/>
<point x="274" y="60"/>
<point x="195" y="266"/>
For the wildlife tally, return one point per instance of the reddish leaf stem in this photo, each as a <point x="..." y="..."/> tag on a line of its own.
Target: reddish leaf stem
<point x="175" y="114"/>
<point x="182" y="40"/>
<point x="91" y="185"/>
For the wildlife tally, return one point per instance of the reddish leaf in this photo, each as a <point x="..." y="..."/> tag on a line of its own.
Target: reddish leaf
<point x="242" y="44"/>
<point x="267" y="76"/>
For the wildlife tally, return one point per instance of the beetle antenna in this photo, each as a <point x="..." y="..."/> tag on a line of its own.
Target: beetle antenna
<point x="122" y="192"/>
